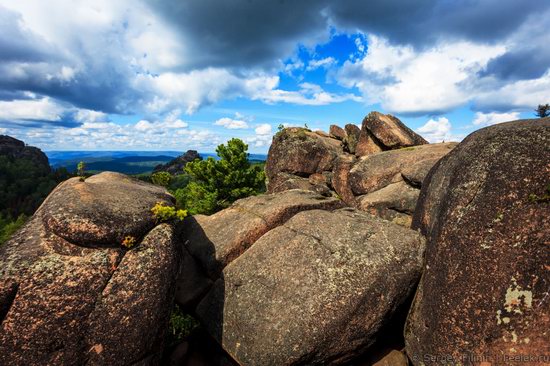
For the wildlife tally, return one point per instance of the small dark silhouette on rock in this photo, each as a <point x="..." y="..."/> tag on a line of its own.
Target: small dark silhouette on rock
<point x="543" y="110"/>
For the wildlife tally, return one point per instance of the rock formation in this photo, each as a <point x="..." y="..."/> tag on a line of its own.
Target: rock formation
<point x="484" y="210"/>
<point x="295" y="277"/>
<point x="71" y="294"/>
<point x="380" y="132"/>
<point x="177" y="165"/>
<point x="300" y="270"/>
<point x="16" y="149"/>
<point x="383" y="179"/>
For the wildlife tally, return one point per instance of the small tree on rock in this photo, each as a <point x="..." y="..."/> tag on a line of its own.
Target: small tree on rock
<point x="216" y="184"/>
<point x="543" y="110"/>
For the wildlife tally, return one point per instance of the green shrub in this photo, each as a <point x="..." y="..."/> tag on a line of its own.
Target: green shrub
<point x="216" y="184"/>
<point x="9" y="227"/>
<point x="181" y="325"/>
<point x="163" y="213"/>
<point x="81" y="171"/>
<point x="161" y="178"/>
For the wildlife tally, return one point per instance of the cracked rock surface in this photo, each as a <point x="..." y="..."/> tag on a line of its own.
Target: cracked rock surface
<point x="70" y="294"/>
<point x="485" y="287"/>
<point x="313" y="287"/>
<point x="360" y="166"/>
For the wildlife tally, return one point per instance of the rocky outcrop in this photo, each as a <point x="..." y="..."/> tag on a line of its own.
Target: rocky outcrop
<point x="378" y="169"/>
<point x="312" y="285"/>
<point x="380" y="132"/>
<point x="16" y="149"/>
<point x="233" y="230"/>
<point x="70" y="293"/>
<point x="177" y="165"/>
<point x="484" y="210"/>
<point x="353" y="134"/>
<point x="337" y="132"/>
<point x="299" y="153"/>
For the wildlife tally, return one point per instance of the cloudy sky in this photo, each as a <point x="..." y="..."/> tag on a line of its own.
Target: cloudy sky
<point x="175" y="75"/>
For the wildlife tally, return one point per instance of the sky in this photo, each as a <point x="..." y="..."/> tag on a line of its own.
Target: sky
<point x="178" y="75"/>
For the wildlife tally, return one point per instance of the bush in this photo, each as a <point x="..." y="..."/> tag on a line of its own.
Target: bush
<point x="216" y="184"/>
<point x="181" y="325"/>
<point x="161" y="178"/>
<point x="9" y="227"/>
<point x="163" y="213"/>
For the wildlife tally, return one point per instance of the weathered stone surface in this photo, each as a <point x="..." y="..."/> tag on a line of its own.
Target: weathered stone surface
<point x="300" y="152"/>
<point x="103" y="209"/>
<point x="132" y="311"/>
<point x="340" y="179"/>
<point x="216" y="240"/>
<point x="353" y="134"/>
<point x="376" y="171"/>
<point x="484" y="291"/>
<point x="313" y="294"/>
<point x="395" y="202"/>
<point x="70" y="304"/>
<point x="367" y="145"/>
<point x="386" y="356"/>
<point x="337" y="132"/>
<point x="284" y="182"/>
<point x="389" y="132"/>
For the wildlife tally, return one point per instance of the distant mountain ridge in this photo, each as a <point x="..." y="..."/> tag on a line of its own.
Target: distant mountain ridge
<point x="127" y="162"/>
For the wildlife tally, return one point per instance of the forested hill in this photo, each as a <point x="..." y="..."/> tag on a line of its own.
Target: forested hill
<point x="25" y="180"/>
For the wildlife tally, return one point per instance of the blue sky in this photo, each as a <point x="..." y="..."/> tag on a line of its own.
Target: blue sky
<point x="172" y="75"/>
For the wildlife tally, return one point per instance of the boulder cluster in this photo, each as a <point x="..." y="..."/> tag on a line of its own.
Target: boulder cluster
<point x="389" y="251"/>
<point x="378" y="168"/>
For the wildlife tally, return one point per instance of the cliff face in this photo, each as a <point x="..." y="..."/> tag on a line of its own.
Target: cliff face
<point x="15" y="149"/>
<point x="25" y="177"/>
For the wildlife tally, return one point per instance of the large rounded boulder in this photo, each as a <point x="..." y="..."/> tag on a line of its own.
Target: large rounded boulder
<point x="315" y="289"/>
<point x="484" y="210"/>
<point x="72" y="294"/>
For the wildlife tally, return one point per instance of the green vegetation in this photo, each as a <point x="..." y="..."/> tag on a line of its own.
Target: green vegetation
<point x="181" y="325"/>
<point x="163" y="213"/>
<point x="23" y="186"/>
<point x="8" y="227"/>
<point x="80" y="169"/>
<point x="216" y="184"/>
<point x="161" y="178"/>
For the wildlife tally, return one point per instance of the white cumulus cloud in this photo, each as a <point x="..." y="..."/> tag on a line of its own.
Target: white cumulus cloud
<point x="230" y="123"/>
<point x="436" y="130"/>
<point x="487" y="119"/>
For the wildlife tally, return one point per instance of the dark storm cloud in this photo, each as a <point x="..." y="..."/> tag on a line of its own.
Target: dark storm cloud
<point x="108" y="90"/>
<point x="253" y="32"/>
<point x="252" y="36"/>
<point x="523" y="64"/>
<point x="243" y="33"/>
<point x="18" y="44"/>
<point x="423" y="22"/>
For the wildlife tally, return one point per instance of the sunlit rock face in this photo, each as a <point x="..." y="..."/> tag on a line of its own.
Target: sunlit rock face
<point x="378" y="168"/>
<point x="484" y="210"/>
<point x="70" y="293"/>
